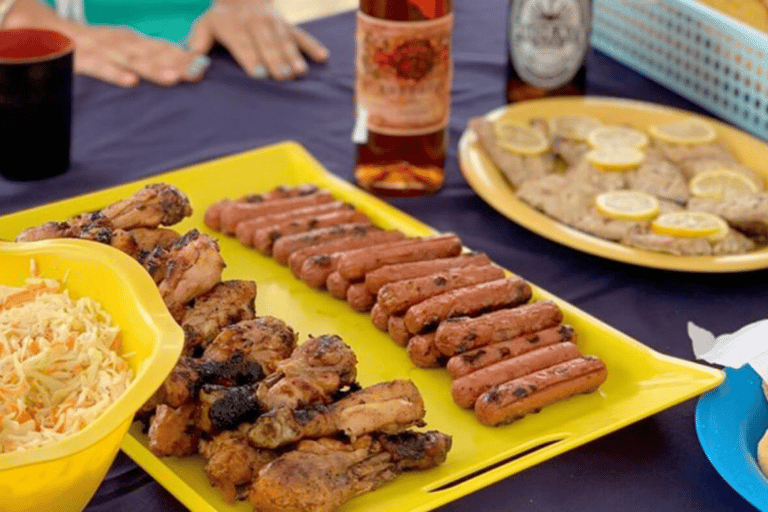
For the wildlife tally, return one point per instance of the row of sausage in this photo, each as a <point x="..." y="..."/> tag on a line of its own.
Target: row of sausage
<point x="508" y="356"/>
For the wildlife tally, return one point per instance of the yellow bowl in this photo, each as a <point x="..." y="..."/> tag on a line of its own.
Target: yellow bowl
<point x="64" y="475"/>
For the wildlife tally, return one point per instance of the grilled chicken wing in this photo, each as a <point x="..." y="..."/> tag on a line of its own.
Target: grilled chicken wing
<point x="172" y="431"/>
<point x="265" y="340"/>
<point x="317" y="370"/>
<point x="323" y="474"/>
<point x="227" y="303"/>
<point x="388" y="407"/>
<point x="157" y="204"/>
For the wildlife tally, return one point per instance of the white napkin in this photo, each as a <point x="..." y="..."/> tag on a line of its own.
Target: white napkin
<point x="748" y="345"/>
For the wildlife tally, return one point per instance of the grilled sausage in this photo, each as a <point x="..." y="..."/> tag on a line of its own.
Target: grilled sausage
<point x="285" y="245"/>
<point x="212" y="217"/>
<point x="457" y="335"/>
<point x="264" y="239"/>
<point x="337" y="286"/>
<point x="423" y="352"/>
<point x="359" y="298"/>
<point x="468" y="362"/>
<point x="512" y="400"/>
<point x="467" y="301"/>
<point x="245" y="230"/>
<point x="375" y="279"/>
<point x="236" y="212"/>
<point x="297" y="258"/>
<point x="467" y="389"/>
<point x="397" y="331"/>
<point x="379" y="318"/>
<point x="397" y="297"/>
<point x="355" y="264"/>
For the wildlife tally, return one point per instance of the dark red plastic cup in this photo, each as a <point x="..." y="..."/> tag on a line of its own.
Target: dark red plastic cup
<point x="35" y="103"/>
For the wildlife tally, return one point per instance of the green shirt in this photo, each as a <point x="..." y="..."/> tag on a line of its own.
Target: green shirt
<point x="165" y="19"/>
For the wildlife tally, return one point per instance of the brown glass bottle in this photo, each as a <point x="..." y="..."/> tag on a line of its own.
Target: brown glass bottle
<point x="402" y="95"/>
<point x="547" y="44"/>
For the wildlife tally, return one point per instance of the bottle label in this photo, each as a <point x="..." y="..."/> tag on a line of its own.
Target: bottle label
<point x="549" y="40"/>
<point x="403" y="73"/>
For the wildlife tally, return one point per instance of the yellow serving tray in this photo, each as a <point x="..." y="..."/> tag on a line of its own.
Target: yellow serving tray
<point x="494" y="189"/>
<point x="641" y="381"/>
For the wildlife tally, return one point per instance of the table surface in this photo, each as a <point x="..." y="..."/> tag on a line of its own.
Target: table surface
<point x="655" y="464"/>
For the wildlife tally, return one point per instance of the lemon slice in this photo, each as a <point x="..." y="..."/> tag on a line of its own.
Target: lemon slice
<point x="520" y="138"/>
<point x="721" y="184"/>
<point x="691" y="224"/>
<point x="615" y="158"/>
<point x="575" y="127"/>
<point x="627" y="205"/>
<point x="689" y="131"/>
<point x="617" y="136"/>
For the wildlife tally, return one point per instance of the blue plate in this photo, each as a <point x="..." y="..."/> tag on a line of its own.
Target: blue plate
<point x="730" y="420"/>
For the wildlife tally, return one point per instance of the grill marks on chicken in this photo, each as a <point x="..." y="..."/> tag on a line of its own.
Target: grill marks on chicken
<point x="157" y="204"/>
<point x="388" y="407"/>
<point x="323" y="474"/>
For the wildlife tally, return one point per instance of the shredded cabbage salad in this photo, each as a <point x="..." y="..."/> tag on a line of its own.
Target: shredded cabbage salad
<point x="59" y="369"/>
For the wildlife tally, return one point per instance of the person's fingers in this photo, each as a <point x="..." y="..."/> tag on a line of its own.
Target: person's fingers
<point x="201" y="38"/>
<point x="103" y="69"/>
<point x="238" y="42"/>
<point x="290" y="51"/>
<point x="267" y="40"/>
<point x="309" y="44"/>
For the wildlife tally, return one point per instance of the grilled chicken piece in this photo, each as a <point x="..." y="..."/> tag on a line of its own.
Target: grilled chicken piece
<point x="558" y="197"/>
<point x="661" y="179"/>
<point x="265" y="340"/>
<point x="388" y="407"/>
<point x="594" y="223"/>
<point x="733" y="243"/>
<point x="172" y="432"/>
<point x="585" y="173"/>
<point x="228" y="302"/>
<point x="685" y="155"/>
<point x="516" y="168"/>
<point x="45" y="231"/>
<point x="695" y="167"/>
<point x="317" y="370"/>
<point x="226" y="407"/>
<point x="748" y="214"/>
<point x="157" y="204"/>
<point x="323" y="474"/>
<point x="147" y="239"/>
<point x="193" y="266"/>
<point x="231" y="462"/>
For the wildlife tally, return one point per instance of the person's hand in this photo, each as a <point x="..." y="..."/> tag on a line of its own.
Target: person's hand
<point x="124" y="57"/>
<point x="259" y="39"/>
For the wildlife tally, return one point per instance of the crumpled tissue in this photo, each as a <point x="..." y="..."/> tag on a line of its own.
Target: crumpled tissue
<point x="748" y="345"/>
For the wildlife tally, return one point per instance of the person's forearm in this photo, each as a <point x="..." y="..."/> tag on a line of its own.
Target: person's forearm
<point x="33" y="13"/>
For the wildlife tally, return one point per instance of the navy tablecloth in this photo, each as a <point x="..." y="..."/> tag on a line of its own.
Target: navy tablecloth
<point x="654" y="465"/>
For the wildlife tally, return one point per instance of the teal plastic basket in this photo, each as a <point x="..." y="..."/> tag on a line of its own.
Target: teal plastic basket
<point x="694" y="50"/>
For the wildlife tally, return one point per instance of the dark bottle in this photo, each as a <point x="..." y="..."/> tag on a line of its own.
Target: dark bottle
<point x="402" y="95"/>
<point x="547" y="45"/>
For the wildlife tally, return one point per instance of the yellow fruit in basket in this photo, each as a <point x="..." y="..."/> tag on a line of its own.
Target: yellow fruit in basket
<point x="575" y="127"/>
<point x="617" y="136"/>
<point x="520" y="138"/>
<point x="627" y="205"/>
<point x="691" y="225"/>
<point x="688" y="131"/>
<point x="720" y="184"/>
<point x="615" y="158"/>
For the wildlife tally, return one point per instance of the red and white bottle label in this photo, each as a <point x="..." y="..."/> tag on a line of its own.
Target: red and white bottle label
<point x="403" y="73"/>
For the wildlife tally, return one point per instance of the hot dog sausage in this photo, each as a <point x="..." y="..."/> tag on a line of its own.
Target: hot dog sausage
<point x="285" y="245"/>
<point x="467" y="389"/>
<point x="379" y="318"/>
<point x="457" y="335"/>
<point x="264" y="239"/>
<point x="467" y="301"/>
<point x="355" y="264"/>
<point x="375" y="279"/>
<point x="512" y="400"/>
<point x="244" y="230"/>
<point x="397" y="331"/>
<point x="235" y="212"/>
<point x="423" y="353"/>
<point x="297" y="258"/>
<point x="359" y="298"/>
<point x="397" y="297"/>
<point x="212" y="217"/>
<point x="337" y="286"/>
<point x="468" y="362"/>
